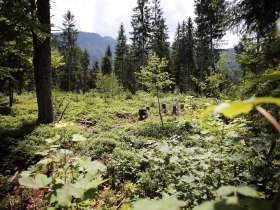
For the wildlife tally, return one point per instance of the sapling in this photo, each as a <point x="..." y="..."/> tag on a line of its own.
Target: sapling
<point x="155" y="79"/>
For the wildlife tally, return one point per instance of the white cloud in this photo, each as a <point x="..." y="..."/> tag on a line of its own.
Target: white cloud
<point x="105" y="16"/>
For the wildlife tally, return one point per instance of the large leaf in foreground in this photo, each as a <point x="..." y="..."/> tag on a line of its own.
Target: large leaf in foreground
<point x="40" y="181"/>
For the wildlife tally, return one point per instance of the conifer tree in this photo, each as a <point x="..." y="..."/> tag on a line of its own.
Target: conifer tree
<point x="106" y="66"/>
<point x="85" y="68"/>
<point x="92" y="75"/>
<point x="159" y="35"/>
<point x="183" y="62"/>
<point x="69" y="37"/>
<point x="120" y="62"/>
<point x="211" y="22"/>
<point x="141" y="33"/>
<point x="191" y="65"/>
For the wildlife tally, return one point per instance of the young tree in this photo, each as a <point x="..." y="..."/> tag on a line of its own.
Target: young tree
<point x="155" y="79"/>
<point x="69" y="37"/>
<point x="120" y="61"/>
<point x="106" y="66"/>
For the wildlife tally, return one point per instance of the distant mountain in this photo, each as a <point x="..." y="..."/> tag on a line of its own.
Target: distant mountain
<point x="95" y="44"/>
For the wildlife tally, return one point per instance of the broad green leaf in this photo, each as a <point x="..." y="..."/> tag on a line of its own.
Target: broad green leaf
<point x="50" y="141"/>
<point x="65" y="193"/>
<point x="235" y="108"/>
<point x="40" y="181"/>
<point x="219" y="204"/>
<point x="45" y="161"/>
<point x="25" y="174"/>
<point x="225" y="190"/>
<point x="78" y="137"/>
<point x="167" y="203"/>
<point x="95" y="166"/>
<point x="247" y="191"/>
<point x="273" y="76"/>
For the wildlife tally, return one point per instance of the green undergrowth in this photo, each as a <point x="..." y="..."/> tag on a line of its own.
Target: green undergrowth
<point x="186" y="159"/>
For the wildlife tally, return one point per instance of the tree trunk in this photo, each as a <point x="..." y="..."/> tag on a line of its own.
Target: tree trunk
<point x="42" y="65"/>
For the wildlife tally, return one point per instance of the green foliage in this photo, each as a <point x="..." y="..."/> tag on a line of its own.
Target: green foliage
<point x="167" y="202"/>
<point x="275" y="75"/>
<point x="155" y="79"/>
<point x="153" y="75"/>
<point x="236" y="108"/>
<point x="57" y="59"/>
<point x="107" y="63"/>
<point x="72" y="177"/>
<point x="211" y="84"/>
<point x="186" y="159"/>
<point x="235" y="202"/>
<point x="108" y="84"/>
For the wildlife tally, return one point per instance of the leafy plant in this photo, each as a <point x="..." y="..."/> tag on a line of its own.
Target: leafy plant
<point x="71" y="181"/>
<point x="155" y="79"/>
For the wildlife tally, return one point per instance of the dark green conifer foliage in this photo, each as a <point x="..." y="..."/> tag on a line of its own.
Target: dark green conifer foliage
<point x="255" y="15"/>
<point x="211" y="20"/>
<point x="92" y="75"/>
<point x="121" y="59"/>
<point x="191" y="65"/>
<point x="106" y="66"/>
<point x="85" y="68"/>
<point x="159" y="35"/>
<point x="69" y="37"/>
<point x="183" y="63"/>
<point x="141" y="25"/>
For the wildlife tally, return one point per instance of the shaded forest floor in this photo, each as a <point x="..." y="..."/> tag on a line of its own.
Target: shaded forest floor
<point x="187" y="158"/>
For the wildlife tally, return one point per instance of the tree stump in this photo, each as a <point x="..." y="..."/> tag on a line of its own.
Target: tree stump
<point x="148" y="108"/>
<point x="142" y="114"/>
<point x="163" y="106"/>
<point x="182" y="107"/>
<point x="174" y="110"/>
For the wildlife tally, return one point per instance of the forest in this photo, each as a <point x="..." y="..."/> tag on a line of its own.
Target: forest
<point x="157" y="124"/>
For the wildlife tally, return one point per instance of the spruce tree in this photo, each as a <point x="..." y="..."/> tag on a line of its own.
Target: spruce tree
<point x="211" y="22"/>
<point x="92" y="75"/>
<point x="159" y="35"/>
<point x="176" y="56"/>
<point x="183" y="62"/>
<point x="191" y="64"/>
<point x="69" y="37"/>
<point x="85" y="68"/>
<point x="106" y="66"/>
<point x="141" y="33"/>
<point x="121" y="59"/>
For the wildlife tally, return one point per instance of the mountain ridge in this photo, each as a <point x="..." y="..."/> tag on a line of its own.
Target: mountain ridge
<point x="95" y="44"/>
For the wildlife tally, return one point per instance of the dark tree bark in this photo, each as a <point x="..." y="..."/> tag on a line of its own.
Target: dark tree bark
<point x="42" y="65"/>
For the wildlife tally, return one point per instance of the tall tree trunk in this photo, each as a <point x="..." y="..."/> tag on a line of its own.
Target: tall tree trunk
<point x="42" y="66"/>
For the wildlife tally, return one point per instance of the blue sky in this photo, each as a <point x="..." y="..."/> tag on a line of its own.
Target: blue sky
<point x="104" y="16"/>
